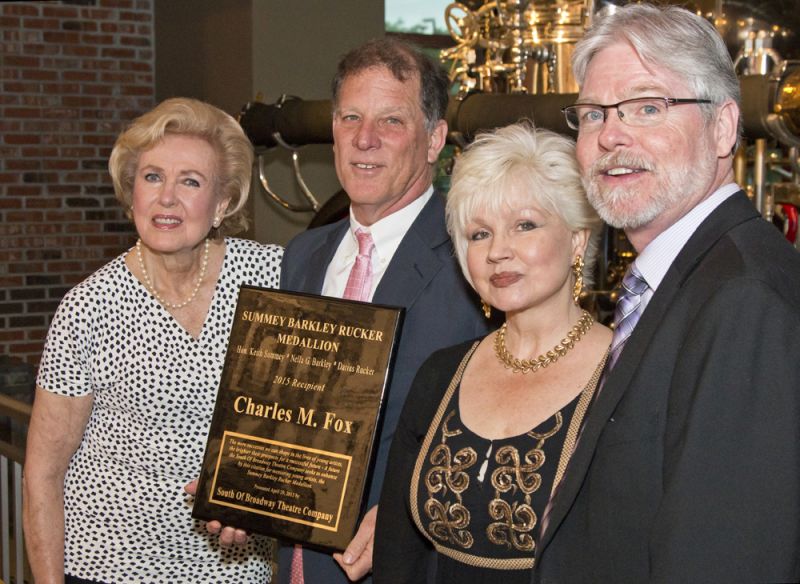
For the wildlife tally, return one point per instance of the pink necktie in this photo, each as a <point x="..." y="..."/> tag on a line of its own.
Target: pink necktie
<point x="296" y="576"/>
<point x="359" y="287"/>
<point x="359" y="283"/>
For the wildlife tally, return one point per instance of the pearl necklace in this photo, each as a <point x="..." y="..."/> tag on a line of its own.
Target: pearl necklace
<point x="532" y="365"/>
<point x="149" y="284"/>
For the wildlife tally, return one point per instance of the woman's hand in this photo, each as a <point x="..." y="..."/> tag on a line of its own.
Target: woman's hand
<point x="228" y="536"/>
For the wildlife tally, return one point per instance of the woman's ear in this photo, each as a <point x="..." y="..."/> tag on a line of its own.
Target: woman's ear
<point x="580" y="240"/>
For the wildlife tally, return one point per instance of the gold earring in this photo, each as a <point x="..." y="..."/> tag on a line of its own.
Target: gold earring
<point x="487" y="309"/>
<point x="577" y="269"/>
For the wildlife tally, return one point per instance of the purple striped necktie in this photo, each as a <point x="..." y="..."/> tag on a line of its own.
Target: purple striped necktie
<point x="629" y="309"/>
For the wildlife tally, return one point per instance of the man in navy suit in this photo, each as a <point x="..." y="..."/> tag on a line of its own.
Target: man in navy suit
<point x="389" y="102"/>
<point x="688" y="466"/>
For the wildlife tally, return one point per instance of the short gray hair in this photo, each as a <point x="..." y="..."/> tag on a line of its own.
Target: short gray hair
<point x="541" y="160"/>
<point x="670" y="37"/>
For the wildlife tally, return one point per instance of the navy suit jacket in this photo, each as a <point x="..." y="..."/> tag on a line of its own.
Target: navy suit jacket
<point x="441" y="310"/>
<point x="688" y="467"/>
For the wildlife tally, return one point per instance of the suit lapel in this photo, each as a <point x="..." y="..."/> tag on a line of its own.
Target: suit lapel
<point x="321" y="257"/>
<point x="415" y="262"/>
<point x="735" y="210"/>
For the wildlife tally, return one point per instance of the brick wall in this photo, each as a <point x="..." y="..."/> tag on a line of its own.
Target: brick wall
<point x="72" y="75"/>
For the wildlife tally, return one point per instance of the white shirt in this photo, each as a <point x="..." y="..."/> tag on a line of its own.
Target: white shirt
<point x="387" y="234"/>
<point x="657" y="257"/>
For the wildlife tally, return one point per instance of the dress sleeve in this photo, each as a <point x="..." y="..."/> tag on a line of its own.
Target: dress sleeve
<point x="401" y="553"/>
<point x="65" y="365"/>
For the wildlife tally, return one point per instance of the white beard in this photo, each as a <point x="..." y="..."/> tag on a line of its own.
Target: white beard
<point x="627" y="208"/>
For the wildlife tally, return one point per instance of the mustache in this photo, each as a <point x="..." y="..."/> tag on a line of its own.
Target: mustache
<point x="620" y="159"/>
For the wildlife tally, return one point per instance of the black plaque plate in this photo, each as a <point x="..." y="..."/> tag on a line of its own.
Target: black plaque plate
<point x="297" y="410"/>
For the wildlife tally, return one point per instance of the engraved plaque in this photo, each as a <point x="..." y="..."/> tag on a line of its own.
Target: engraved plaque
<point x="297" y="412"/>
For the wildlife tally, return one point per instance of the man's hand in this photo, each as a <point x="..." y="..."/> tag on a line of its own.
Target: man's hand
<point x="228" y="536"/>
<point x="356" y="561"/>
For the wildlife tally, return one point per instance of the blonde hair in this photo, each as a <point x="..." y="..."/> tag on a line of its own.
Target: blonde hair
<point x="541" y="160"/>
<point x="189" y="117"/>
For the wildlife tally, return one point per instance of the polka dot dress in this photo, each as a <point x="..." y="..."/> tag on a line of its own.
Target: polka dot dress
<point x="154" y="385"/>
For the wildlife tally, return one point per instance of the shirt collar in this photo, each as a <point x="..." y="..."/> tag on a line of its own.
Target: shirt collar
<point x="657" y="257"/>
<point x="389" y="231"/>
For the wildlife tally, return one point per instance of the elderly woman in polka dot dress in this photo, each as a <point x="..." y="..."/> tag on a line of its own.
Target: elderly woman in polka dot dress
<point x="129" y="374"/>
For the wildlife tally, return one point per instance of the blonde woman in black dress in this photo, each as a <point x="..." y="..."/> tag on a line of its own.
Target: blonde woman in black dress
<point x="489" y="425"/>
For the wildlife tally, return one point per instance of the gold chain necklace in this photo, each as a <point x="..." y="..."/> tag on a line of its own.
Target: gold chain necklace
<point x="531" y="365"/>
<point x="149" y="284"/>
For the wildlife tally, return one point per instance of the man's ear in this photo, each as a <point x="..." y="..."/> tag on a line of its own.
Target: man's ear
<point x="436" y="141"/>
<point x="726" y="128"/>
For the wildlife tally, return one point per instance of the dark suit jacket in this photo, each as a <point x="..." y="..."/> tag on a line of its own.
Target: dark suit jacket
<point x="441" y="310"/>
<point x="688" y="468"/>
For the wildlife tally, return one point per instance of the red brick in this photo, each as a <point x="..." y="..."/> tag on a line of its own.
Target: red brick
<point x="60" y="164"/>
<point x="97" y="39"/>
<point x="115" y="53"/>
<point x="21" y="139"/>
<point x="23" y="164"/>
<point x="43" y="23"/>
<point x="10" y="74"/>
<point x="79" y="75"/>
<point x="79" y="101"/>
<point x="22" y="112"/>
<point x="61" y="63"/>
<point x="60" y="11"/>
<point x="9" y="125"/>
<point x="26" y="347"/>
<point x="78" y="152"/>
<point x="36" y="334"/>
<point x="21" y="61"/>
<point x="43" y="151"/>
<point x="26" y="268"/>
<point x="118" y="27"/>
<point x="80" y="51"/>
<point x="34" y="46"/>
<point x="11" y="281"/>
<point x="118" y="3"/>
<point x="135" y="66"/>
<point x="97" y="13"/>
<point x="97" y="89"/>
<point x="117" y="77"/>
<point x="21" y="9"/>
<point x="64" y="216"/>
<point x="15" y="335"/>
<point x="39" y="74"/>
<point x="48" y="101"/>
<point x="60" y="88"/>
<point x="9" y="22"/>
<point x="137" y="90"/>
<point x="22" y="87"/>
<point x="67" y="37"/>
<point x="135" y="41"/>
<point x="42" y="203"/>
<point x="8" y="203"/>
<point x="23" y="190"/>
<point x="82" y="25"/>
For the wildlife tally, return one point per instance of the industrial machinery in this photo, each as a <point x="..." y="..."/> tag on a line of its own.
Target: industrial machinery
<point x="511" y="60"/>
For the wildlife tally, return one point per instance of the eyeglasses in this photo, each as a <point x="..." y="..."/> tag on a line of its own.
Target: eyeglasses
<point x="640" y="112"/>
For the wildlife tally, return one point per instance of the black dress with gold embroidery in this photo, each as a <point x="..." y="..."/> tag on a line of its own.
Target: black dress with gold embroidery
<point x="475" y="503"/>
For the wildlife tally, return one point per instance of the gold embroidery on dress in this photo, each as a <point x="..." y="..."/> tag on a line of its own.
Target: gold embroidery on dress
<point x="450" y="520"/>
<point x="514" y="523"/>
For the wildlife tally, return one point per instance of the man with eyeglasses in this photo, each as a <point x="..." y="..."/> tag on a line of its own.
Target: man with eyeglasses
<point x="688" y="466"/>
